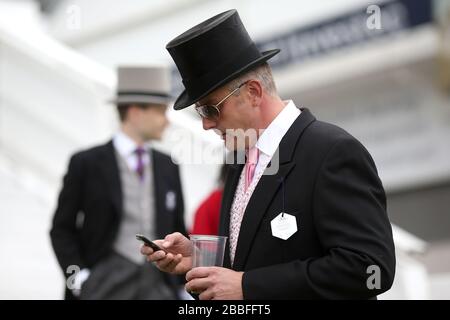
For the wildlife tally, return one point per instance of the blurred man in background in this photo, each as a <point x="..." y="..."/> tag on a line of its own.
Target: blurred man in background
<point x="113" y="191"/>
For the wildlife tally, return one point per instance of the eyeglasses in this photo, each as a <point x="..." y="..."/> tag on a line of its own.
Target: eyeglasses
<point x="211" y="111"/>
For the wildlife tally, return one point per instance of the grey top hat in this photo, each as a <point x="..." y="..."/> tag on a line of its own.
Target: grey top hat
<point x="143" y="84"/>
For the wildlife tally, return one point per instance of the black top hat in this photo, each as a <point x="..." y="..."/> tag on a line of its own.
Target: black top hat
<point x="213" y="53"/>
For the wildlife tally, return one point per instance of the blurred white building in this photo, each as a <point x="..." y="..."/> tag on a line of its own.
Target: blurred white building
<point x="385" y="83"/>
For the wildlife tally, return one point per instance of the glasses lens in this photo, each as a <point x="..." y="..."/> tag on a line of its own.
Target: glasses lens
<point x="209" y="112"/>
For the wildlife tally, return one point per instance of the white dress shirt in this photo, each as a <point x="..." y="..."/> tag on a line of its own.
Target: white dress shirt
<point x="126" y="148"/>
<point x="270" y="139"/>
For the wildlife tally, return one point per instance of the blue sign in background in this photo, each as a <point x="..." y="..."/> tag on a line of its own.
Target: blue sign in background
<point x="345" y="31"/>
<point x="353" y="28"/>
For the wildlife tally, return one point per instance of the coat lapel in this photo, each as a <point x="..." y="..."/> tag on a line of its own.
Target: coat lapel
<point x="110" y="171"/>
<point x="267" y="188"/>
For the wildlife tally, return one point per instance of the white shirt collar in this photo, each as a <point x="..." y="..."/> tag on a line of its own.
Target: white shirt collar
<point x="270" y="139"/>
<point x="125" y="146"/>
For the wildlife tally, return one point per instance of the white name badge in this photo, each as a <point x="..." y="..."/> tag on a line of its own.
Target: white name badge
<point x="283" y="226"/>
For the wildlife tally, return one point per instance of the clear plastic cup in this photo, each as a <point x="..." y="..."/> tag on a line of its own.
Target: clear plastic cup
<point x="208" y="250"/>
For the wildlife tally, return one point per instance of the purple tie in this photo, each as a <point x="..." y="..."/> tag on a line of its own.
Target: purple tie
<point x="140" y="162"/>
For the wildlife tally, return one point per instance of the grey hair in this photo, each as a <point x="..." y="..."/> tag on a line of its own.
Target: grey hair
<point x="262" y="73"/>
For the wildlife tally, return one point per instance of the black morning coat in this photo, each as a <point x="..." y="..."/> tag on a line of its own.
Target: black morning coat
<point x="343" y="248"/>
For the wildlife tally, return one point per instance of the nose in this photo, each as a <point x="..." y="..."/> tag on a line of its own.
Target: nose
<point x="208" y="124"/>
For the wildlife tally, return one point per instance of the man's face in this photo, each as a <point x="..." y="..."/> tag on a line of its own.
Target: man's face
<point x="234" y="119"/>
<point x="151" y="121"/>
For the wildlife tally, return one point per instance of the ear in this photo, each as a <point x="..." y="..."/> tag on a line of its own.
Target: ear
<point x="255" y="92"/>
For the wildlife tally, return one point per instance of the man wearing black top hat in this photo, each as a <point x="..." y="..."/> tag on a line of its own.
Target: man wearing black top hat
<point x="305" y="214"/>
<point x="113" y="191"/>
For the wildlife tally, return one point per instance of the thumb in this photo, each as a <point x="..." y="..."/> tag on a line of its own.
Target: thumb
<point x="174" y="239"/>
<point x="169" y="240"/>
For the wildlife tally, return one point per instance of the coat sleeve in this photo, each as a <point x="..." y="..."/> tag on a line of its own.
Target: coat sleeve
<point x="64" y="234"/>
<point x="349" y="211"/>
<point x="180" y="225"/>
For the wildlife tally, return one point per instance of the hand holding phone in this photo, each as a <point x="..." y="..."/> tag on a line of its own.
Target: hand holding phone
<point x="149" y="243"/>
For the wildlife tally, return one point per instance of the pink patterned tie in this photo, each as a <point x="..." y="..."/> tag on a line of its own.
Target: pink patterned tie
<point x="252" y="160"/>
<point x="242" y="196"/>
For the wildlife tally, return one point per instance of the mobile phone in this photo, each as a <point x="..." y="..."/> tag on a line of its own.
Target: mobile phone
<point x="149" y="243"/>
